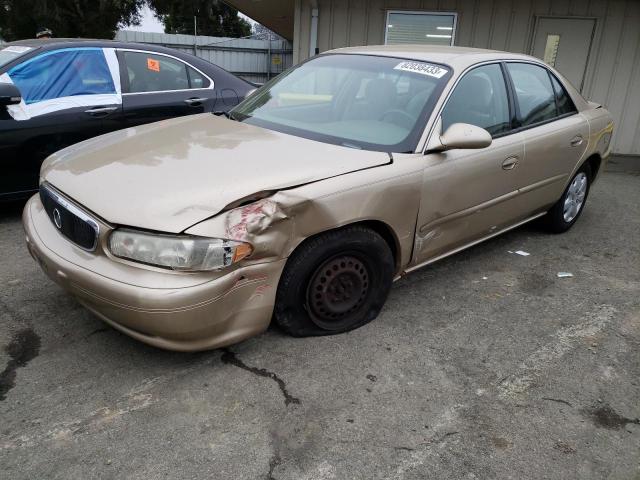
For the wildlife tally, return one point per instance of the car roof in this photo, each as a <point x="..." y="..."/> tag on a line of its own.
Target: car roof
<point x="456" y="57"/>
<point x="89" y="42"/>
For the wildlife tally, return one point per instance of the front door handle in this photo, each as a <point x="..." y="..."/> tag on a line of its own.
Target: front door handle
<point x="97" y="111"/>
<point x="577" y="140"/>
<point x="195" y="102"/>
<point x="510" y="163"/>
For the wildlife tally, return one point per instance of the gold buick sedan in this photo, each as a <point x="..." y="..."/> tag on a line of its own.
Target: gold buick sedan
<point x="307" y="200"/>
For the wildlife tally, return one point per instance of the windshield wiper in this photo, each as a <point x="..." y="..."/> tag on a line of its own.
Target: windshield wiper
<point x="229" y="115"/>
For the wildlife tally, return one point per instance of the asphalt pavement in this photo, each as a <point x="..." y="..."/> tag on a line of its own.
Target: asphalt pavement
<point x="486" y="365"/>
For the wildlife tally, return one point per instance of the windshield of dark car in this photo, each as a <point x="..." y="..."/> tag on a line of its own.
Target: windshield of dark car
<point x="11" y="52"/>
<point x="360" y="101"/>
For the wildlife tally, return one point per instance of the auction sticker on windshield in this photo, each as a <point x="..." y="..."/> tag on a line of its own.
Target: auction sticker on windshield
<point x="422" y="68"/>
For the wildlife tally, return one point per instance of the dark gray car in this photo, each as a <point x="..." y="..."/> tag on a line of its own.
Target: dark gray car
<point x="54" y="93"/>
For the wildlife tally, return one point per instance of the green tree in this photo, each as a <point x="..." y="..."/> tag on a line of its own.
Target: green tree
<point x="20" y="19"/>
<point x="214" y="18"/>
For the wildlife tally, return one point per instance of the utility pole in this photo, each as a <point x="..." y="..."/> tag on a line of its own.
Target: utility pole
<point x="195" y="35"/>
<point x="269" y="59"/>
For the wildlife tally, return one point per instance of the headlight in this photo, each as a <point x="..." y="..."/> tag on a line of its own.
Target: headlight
<point x="178" y="252"/>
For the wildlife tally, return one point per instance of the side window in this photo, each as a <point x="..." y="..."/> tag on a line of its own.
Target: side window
<point x="197" y="80"/>
<point x="563" y="100"/>
<point x="148" y="72"/>
<point x="63" y="73"/>
<point x="480" y="98"/>
<point x="534" y="94"/>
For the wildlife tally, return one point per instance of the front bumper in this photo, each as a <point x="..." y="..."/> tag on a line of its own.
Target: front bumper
<point x="174" y="311"/>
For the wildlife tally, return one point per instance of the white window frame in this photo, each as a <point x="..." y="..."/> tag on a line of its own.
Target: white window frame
<point x="423" y="12"/>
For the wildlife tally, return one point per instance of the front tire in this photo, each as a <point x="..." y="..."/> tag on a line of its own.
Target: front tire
<point x="566" y="211"/>
<point x="335" y="282"/>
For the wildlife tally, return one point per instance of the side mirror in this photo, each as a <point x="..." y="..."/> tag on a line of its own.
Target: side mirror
<point x="9" y="94"/>
<point x="464" y="135"/>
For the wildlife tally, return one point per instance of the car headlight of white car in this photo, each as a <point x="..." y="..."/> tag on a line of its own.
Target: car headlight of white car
<point x="177" y="252"/>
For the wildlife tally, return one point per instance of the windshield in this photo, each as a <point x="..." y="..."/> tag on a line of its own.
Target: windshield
<point x="360" y="101"/>
<point x="9" y="53"/>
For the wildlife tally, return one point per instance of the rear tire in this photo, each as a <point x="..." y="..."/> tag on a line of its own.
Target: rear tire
<point x="335" y="282"/>
<point x="566" y="211"/>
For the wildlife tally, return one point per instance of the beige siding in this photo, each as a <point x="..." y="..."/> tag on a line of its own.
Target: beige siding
<point x="612" y="76"/>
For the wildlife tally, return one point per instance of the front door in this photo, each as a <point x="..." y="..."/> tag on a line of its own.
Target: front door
<point x="471" y="194"/>
<point x="564" y="43"/>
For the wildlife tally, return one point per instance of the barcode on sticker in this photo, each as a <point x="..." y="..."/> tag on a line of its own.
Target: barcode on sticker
<point x="422" y="68"/>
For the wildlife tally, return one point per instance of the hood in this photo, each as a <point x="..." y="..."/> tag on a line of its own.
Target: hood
<point x="169" y="175"/>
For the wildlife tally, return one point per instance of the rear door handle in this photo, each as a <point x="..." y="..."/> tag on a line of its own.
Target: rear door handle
<point x="195" y="102"/>
<point x="96" y="111"/>
<point x="577" y="140"/>
<point x="510" y="163"/>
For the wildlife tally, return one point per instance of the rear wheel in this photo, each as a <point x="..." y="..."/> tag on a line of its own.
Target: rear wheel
<point x="334" y="283"/>
<point x="566" y="211"/>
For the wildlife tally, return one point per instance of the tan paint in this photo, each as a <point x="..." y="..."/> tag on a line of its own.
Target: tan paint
<point x="171" y="174"/>
<point x="187" y="175"/>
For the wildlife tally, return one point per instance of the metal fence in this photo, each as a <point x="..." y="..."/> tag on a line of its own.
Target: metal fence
<point x="254" y="60"/>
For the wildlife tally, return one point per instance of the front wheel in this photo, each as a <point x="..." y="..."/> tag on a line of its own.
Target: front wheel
<point x="334" y="283"/>
<point x="566" y="211"/>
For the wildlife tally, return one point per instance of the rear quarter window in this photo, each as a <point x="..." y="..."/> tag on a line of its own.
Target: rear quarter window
<point x="563" y="100"/>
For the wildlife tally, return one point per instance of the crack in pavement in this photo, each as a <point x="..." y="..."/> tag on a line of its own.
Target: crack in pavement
<point x="557" y="400"/>
<point x="230" y="358"/>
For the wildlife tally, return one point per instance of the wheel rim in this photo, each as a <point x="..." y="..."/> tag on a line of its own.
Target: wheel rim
<point x="575" y="196"/>
<point x="336" y="291"/>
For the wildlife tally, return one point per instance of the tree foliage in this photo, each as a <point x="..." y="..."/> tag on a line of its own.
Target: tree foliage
<point x="214" y="18"/>
<point x="260" y="32"/>
<point x="20" y="19"/>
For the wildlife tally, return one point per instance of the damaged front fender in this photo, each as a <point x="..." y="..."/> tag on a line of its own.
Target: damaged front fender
<point x="276" y="225"/>
<point x="266" y="224"/>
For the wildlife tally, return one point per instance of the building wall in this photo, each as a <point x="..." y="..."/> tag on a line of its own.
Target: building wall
<point x="613" y="72"/>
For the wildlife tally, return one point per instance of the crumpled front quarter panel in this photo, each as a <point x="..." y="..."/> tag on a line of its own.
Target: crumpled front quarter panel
<point x="388" y="195"/>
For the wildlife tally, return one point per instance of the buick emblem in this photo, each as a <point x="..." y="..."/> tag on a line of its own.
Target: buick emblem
<point x="57" y="219"/>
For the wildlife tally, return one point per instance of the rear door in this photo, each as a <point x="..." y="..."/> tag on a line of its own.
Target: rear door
<point x="157" y="86"/>
<point x="67" y="94"/>
<point x="555" y="134"/>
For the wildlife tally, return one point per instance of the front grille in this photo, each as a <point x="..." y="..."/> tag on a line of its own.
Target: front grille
<point x="70" y="221"/>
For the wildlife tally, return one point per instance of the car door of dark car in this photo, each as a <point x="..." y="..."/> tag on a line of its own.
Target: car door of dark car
<point x="158" y="86"/>
<point x="66" y="96"/>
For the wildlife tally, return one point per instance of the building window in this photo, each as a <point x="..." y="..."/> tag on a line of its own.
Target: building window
<point x="427" y="28"/>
